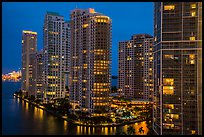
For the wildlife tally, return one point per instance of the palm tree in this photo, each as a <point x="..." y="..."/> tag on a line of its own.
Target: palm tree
<point x="130" y="130"/>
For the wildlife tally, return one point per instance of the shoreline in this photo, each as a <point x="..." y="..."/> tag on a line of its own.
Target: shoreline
<point x="78" y="123"/>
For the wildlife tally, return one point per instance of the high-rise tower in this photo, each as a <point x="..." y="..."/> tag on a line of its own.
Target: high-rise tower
<point x="135" y="67"/>
<point x="39" y="74"/>
<point x="29" y="47"/>
<point x="177" y="68"/>
<point x="55" y="55"/>
<point x="90" y="61"/>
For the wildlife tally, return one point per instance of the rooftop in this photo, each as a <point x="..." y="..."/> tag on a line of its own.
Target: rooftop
<point x="53" y="13"/>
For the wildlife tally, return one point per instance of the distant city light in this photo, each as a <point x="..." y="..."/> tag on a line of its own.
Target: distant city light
<point x="12" y="76"/>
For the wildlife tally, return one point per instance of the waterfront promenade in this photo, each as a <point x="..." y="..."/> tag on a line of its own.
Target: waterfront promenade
<point x="79" y="123"/>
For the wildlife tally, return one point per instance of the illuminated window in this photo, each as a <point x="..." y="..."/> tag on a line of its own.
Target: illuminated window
<point x="85" y="66"/>
<point x="168" y="126"/>
<point x="169" y="90"/>
<point x="84" y="89"/>
<point x="53" y="85"/>
<point x="169" y="56"/>
<point x="85" y="25"/>
<point x="192" y="38"/>
<point x="193" y="13"/>
<point x="129" y="58"/>
<point x="84" y="80"/>
<point x="127" y="86"/>
<point x="193" y="132"/>
<point x="193" y="6"/>
<point x="192" y="58"/>
<point x="52" y="32"/>
<point x="172" y="116"/>
<point x="155" y="38"/>
<point x="168" y="81"/>
<point x="175" y="116"/>
<point x="129" y="45"/>
<point x="169" y="106"/>
<point x="120" y="89"/>
<point x="150" y="58"/>
<point x="169" y="7"/>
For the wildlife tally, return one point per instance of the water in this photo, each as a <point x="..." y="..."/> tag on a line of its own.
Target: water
<point x="21" y="118"/>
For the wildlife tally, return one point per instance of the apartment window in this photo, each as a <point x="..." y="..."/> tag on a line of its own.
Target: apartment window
<point x="193" y="13"/>
<point x="193" y="6"/>
<point x="168" y="90"/>
<point x="168" y="81"/>
<point x="169" y="56"/>
<point x="169" y="106"/>
<point x="169" y="7"/>
<point x="192" y="38"/>
<point x="193" y="132"/>
<point x="192" y="58"/>
<point x="129" y="58"/>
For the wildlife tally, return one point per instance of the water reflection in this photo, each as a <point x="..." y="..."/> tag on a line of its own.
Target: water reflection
<point x="18" y="100"/>
<point x="38" y="113"/>
<point x="65" y="125"/>
<point x="42" y="122"/>
<point x="83" y="130"/>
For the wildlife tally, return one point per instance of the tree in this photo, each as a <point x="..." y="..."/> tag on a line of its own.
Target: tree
<point x="32" y="98"/>
<point x="127" y="114"/>
<point x="130" y="130"/>
<point x="113" y="89"/>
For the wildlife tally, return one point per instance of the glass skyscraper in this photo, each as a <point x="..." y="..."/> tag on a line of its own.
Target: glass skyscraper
<point x="177" y="63"/>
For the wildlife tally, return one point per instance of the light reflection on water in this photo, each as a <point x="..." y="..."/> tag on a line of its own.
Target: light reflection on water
<point x="51" y="124"/>
<point x="83" y="130"/>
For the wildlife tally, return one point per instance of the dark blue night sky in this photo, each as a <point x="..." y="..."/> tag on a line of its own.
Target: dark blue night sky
<point x="128" y="18"/>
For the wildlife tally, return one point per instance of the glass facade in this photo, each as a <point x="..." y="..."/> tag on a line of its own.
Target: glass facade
<point x="177" y="68"/>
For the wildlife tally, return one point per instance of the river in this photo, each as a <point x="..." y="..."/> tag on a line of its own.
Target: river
<point x="22" y="118"/>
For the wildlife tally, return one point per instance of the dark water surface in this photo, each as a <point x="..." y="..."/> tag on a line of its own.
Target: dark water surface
<point x="21" y="118"/>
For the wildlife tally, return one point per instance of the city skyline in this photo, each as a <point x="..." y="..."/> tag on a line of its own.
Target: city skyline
<point x="69" y="71"/>
<point x="125" y="24"/>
